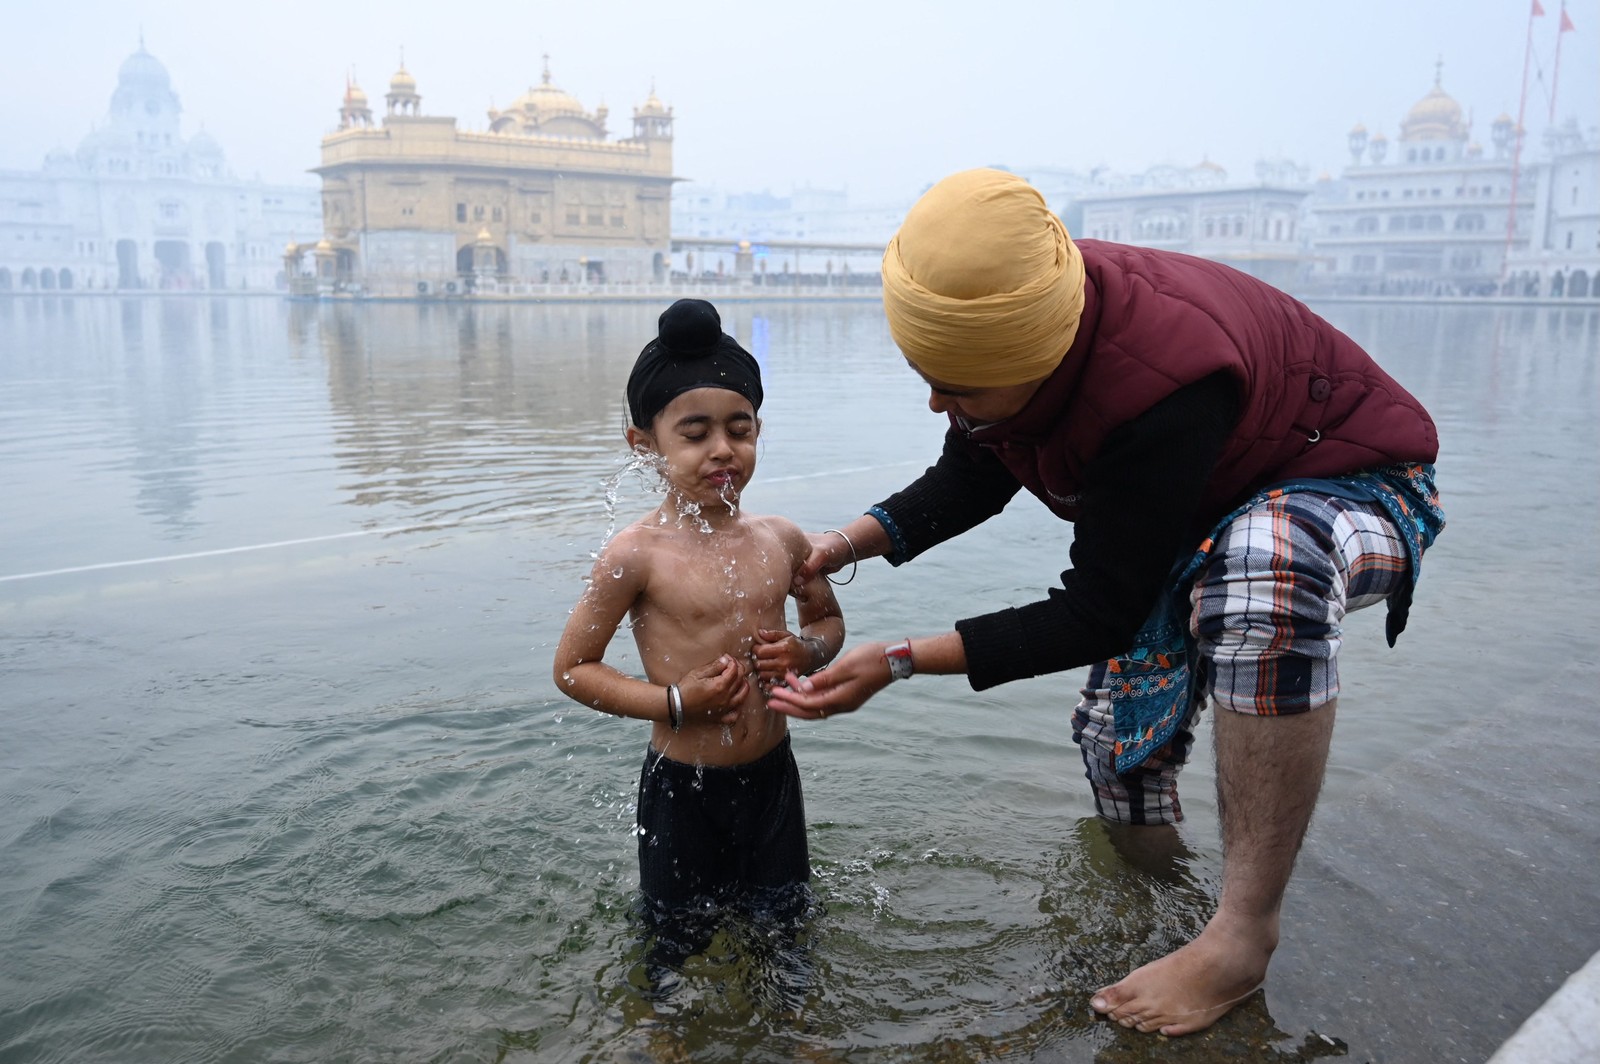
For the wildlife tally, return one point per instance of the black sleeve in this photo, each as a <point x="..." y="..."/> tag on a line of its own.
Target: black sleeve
<point x="964" y="488"/>
<point x="1141" y="497"/>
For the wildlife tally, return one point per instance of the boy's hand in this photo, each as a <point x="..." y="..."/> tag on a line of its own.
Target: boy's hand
<point x="715" y="690"/>
<point x="778" y="652"/>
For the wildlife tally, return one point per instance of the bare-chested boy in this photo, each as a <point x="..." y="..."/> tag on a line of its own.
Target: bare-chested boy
<point x="720" y="809"/>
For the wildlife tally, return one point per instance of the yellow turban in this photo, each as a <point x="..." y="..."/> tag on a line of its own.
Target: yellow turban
<point x="982" y="285"/>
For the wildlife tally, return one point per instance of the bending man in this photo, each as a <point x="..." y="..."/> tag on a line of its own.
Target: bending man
<point x="1239" y="475"/>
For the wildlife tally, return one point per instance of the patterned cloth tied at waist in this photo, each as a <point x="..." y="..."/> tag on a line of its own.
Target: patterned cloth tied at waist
<point x="1159" y="673"/>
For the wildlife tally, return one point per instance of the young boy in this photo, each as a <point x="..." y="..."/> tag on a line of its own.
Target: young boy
<point x="720" y="810"/>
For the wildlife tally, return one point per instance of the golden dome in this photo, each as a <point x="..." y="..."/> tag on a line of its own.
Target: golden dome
<point x="1357" y="128"/>
<point x="1377" y="137"/>
<point x="484" y="236"/>
<point x="1436" y="116"/>
<point x="353" y="96"/>
<point x="545" y="101"/>
<point x="1207" y="164"/>
<point x="402" y="82"/>
<point x="324" y="246"/>
<point x="653" y="105"/>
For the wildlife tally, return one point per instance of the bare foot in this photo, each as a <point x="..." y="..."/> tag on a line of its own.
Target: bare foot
<point x="1191" y="988"/>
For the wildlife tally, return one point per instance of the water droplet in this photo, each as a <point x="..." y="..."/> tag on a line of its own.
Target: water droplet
<point x="616" y="573"/>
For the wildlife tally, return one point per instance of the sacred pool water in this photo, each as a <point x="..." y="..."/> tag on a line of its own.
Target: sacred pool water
<point x="284" y="775"/>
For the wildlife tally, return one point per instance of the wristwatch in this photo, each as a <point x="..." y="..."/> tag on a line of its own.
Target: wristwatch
<point x="901" y="667"/>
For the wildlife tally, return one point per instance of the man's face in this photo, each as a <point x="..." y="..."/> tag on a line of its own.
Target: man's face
<point x="978" y="404"/>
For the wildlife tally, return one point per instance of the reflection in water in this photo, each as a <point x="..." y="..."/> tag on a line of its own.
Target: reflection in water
<point x="320" y="802"/>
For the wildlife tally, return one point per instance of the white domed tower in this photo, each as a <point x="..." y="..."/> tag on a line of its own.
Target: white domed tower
<point x="141" y="125"/>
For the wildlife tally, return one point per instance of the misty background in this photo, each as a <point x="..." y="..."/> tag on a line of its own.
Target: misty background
<point x="879" y="99"/>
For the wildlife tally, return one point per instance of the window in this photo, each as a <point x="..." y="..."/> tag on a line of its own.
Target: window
<point x="535" y="218"/>
<point x="594" y="216"/>
<point x="618" y="220"/>
<point x="574" y="216"/>
<point x="461" y="212"/>
<point x="495" y="215"/>
<point x="477" y="213"/>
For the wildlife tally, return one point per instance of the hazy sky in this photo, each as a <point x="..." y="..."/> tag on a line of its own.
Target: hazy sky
<point x="880" y="98"/>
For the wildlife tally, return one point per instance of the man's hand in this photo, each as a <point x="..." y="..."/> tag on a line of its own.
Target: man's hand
<point x="842" y="687"/>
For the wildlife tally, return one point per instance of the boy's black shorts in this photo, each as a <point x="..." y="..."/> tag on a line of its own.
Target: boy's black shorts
<point x="712" y="832"/>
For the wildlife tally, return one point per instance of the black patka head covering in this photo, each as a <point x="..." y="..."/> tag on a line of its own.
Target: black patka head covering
<point x="690" y="351"/>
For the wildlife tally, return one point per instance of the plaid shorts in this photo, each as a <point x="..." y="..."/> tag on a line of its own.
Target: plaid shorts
<point x="1267" y="611"/>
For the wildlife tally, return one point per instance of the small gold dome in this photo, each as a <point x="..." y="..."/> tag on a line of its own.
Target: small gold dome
<point x="402" y="82"/>
<point x="1357" y="128"/>
<point x="484" y="236"/>
<point x="353" y="96"/>
<point x="653" y="106"/>
<point x="324" y="245"/>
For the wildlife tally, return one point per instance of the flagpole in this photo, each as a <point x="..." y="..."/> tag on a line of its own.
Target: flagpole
<point x="1564" y="24"/>
<point x="1534" y="11"/>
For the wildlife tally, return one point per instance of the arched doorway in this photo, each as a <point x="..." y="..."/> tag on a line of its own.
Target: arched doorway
<point x="658" y="267"/>
<point x="127" y="264"/>
<point x="5" y="279"/>
<point x="29" y="278"/>
<point x="64" y="279"/>
<point x="1578" y="285"/>
<point x="1558" y="282"/>
<point x="173" y="258"/>
<point x="47" y="280"/>
<point x="216" y="276"/>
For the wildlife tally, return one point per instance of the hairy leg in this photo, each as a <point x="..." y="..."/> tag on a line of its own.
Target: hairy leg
<point x="1269" y="772"/>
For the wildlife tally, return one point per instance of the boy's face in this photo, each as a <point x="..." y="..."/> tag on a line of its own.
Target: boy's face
<point x="708" y="438"/>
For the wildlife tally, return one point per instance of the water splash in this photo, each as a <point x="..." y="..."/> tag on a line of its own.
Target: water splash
<point x="650" y="469"/>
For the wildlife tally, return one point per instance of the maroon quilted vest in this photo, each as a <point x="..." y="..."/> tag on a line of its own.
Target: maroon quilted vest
<point x="1313" y="404"/>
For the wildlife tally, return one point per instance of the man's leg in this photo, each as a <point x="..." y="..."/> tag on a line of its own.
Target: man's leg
<point x="1267" y="613"/>
<point x="1269" y="770"/>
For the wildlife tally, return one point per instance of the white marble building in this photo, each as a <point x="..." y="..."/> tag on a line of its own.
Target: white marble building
<point x="141" y="206"/>
<point x="1252" y="226"/>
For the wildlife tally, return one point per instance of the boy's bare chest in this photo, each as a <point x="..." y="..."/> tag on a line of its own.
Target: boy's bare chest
<point x="727" y="586"/>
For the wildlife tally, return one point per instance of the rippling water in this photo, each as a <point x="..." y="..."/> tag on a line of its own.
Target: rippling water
<point x="284" y="776"/>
